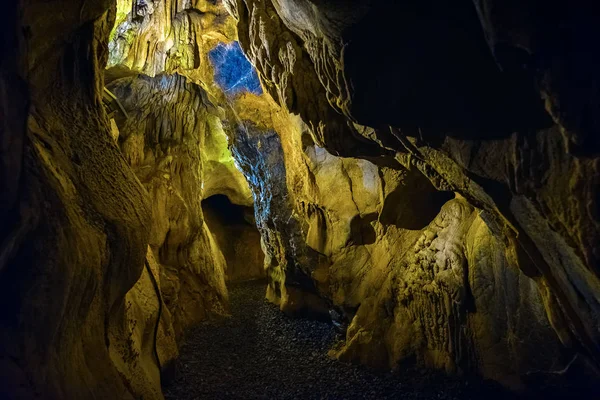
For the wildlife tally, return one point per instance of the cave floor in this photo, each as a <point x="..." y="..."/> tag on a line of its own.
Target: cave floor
<point x="260" y="353"/>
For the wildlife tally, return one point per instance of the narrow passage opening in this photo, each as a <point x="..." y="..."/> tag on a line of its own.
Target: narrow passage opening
<point x="234" y="228"/>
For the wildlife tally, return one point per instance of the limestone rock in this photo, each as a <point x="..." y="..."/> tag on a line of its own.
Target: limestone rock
<point x="418" y="275"/>
<point x="478" y="129"/>
<point x="170" y="120"/>
<point x="427" y="172"/>
<point x="75" y="221"/>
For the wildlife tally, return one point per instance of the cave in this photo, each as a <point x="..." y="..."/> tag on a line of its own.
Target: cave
<point x="234" y="229"/>
<point x="225" y="199"/>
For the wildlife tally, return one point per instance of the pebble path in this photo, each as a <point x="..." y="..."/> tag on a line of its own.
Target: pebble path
<point x="260" y="353"/>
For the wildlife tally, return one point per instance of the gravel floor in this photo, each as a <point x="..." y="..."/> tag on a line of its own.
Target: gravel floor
<point x="259" y="353"/>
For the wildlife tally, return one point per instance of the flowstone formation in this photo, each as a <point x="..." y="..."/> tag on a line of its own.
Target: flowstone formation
<point x="74" y="222"/>
<point x="502" y="280"/>
<point x="424" y="174"/>
<point x="173" y="135"/>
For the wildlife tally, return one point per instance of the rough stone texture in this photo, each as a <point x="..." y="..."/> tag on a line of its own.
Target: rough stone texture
<point x="165" y="339"/>
<point x="476" y="128"/>
<point x="465" y="239"/>
<point x="234" y="229"/>
<point x="174" y="141"/>
<point x="259" y="151"/>
<point x="288" y="73"/>
<point x="165" y="37"/>
<point x="74" y="217"/>
<point x="427" y="283"/>
<point x="146" y="337"/>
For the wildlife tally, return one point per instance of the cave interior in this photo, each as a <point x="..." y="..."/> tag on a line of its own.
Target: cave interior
<point x="317" y="199"/>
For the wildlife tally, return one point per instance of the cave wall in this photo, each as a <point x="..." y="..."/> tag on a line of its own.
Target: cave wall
<point x="119" y="199"/>
<point x="166" y="37"/>
<point x="162" y="69"/>
<point x="462" y="235"/>
<point x="488" y="130"/>
<point x="259" y="152"/>
<point x="432" y="128"/>
<point x="417" y="276"/>
<point x="162" y="138"/>
<point x="74" y="218"/>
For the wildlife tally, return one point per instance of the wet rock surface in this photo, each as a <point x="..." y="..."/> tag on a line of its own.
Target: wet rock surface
<point x="260" y="353"/>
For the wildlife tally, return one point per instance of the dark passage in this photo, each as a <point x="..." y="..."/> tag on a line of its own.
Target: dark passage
<point x="260" y="353"/>
<point x="234" y="228"/>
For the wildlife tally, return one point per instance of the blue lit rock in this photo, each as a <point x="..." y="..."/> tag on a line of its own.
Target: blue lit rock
<point x="233" y="72"/>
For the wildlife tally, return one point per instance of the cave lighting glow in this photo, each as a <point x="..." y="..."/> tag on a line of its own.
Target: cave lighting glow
<point x="233" y="72"/>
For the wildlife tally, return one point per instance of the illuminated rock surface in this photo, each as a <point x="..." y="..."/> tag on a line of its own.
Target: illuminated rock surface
<point x="233" y="72"/>
<point x="425" y="174"/>
<point x="75" y="219"/>
<point x="452" y="286"/>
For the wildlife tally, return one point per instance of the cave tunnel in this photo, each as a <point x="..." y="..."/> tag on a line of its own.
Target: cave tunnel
<point x="234" y="228"/>
<point x="296" y="199"/>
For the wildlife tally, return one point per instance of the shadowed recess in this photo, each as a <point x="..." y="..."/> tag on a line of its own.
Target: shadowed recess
<point x="233" y="72"/>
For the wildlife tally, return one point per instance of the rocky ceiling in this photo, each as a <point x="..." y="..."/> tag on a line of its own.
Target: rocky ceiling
<point x="425" y="172"/>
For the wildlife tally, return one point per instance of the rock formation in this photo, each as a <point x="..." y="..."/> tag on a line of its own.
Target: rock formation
<point x="419" y="275"/>
<point x="75" y="218"/>
<point x="162" y="139"/>
<point x="173" y="136"/>
<point x="488" y="130"/>
<point x="101" y="273"/>
<point x="424" y="174"/>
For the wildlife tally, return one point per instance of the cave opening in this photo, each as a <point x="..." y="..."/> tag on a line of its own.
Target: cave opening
<point x="234" y="228"/>
<point x="220" y="208"/>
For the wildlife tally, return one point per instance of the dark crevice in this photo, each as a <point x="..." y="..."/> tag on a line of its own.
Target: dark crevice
<point x="234" y="228"/>
<point x="219" y="207"/>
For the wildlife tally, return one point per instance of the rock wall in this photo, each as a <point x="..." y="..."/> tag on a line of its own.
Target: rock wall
<point x="163" y="139"/>
<point x="521" y="235"/>
<point x="88" y="309"/>
<point x="174" y="137"/>
<point x="234" y="228"/>
<point x="287" y="257"/>
<point x="167" y="39"/>
<point x="422" y="143"/>
<point x="416" y="275"/>
<point x="463" y="235"/>
<point x="74" y="218"/>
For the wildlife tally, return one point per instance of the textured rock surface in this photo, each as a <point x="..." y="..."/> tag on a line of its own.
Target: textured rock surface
<point x="174" y="140"/>
<point x="419" y="276"/>
<point x="522" y="235"/>
<point x="463" y="237"/>
<point x="74" y="217"/>
<point x="83" y="312"/>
